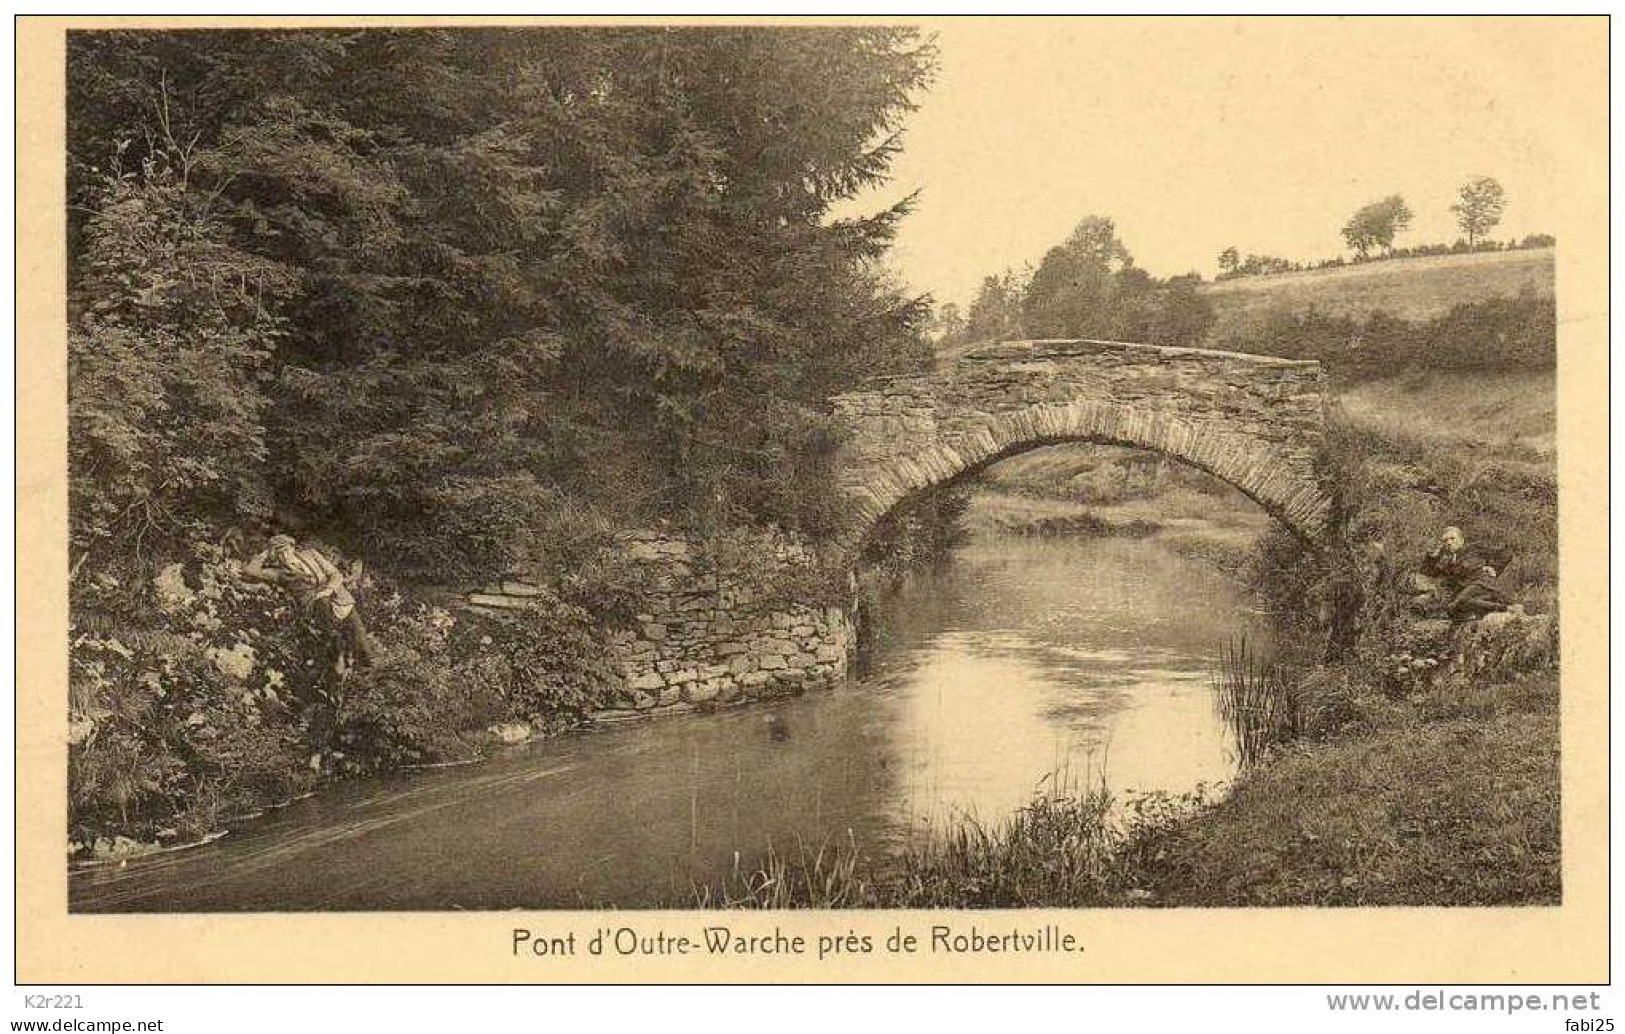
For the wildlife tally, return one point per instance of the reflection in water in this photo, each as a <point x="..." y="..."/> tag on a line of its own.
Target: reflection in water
<point x="1021" y="659"/>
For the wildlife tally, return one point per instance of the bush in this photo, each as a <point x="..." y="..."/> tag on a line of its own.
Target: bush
<point x="406" y="710"/>
<point x="1502" y="333"/>
<point x="548" y="666"/>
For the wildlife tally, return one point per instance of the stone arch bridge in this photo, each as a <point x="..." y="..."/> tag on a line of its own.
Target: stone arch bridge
<point x="707" y="636"/>
<point x="1256" y="422"/>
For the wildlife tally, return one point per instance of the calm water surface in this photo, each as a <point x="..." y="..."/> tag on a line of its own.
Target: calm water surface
<point x="1021" y="658"/>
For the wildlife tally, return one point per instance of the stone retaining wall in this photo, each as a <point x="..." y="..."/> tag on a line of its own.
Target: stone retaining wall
<point x="712" y="632"/>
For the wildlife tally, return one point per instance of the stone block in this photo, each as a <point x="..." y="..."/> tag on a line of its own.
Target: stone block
<point x="521" y="589"/>
<point x="486" y="599"/>
<point x="707" y="689"/>
<point x="648" y="680"/>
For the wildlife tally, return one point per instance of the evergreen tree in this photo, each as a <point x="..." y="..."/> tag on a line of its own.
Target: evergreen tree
<point x="532" y="272"/>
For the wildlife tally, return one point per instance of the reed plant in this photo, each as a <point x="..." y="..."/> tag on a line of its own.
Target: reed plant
<point x="1063" y="847"/>
<point x="1261" y="702"/>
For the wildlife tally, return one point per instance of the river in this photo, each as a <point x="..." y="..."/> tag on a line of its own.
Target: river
<point x="1020" y="659"/>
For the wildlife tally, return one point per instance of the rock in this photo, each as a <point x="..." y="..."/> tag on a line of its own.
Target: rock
<point x="646" y="681"/>
<point x="120" y="848"/>
<point x="171" y="590"/>
<point x="511" y="732"/>
<point x="79" y="729"/>
<point x="771" y="660"/>
<point x="521" y="589"/>
<point x="500" y="602"/>
<point x="670" y="695"/>
<point x="237" y="662"/>
<point x="709" y="689"/>
<point x="654" y="631"/>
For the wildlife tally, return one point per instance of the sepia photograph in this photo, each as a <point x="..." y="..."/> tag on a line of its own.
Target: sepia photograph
<point x="972" y="464"/>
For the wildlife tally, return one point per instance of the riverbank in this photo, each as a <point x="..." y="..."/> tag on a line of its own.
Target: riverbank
<point x="1447" y="799"/>
<point x="1432" y="775"/>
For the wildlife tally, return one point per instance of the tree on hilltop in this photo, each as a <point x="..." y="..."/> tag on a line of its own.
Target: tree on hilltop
<point x="1377" y="224"/>
<point x="1478" y="207"/>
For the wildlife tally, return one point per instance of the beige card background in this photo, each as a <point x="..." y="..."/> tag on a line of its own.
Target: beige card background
<point x="1565" y="63"/>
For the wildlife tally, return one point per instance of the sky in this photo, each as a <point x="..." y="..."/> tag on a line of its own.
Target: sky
<point x="1197" y="134"/>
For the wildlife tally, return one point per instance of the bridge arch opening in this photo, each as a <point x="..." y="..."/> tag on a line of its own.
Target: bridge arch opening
<point x="1256" y="468"/>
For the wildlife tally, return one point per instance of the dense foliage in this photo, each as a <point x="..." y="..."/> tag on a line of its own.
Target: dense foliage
<point x="1517" y="332"/>
<point x="426" y="289"/>
<point x="1088" y="287"/>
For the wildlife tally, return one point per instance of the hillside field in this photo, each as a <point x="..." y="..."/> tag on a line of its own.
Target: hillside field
<point x="1412" y="288"/>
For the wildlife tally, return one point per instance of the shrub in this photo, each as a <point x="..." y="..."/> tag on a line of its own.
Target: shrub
<point x="548" y="666"/>
<point x="1501" y="333"/>
<point x="406" y="710"/>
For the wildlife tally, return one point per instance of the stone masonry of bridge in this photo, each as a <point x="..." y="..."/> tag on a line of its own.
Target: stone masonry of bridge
<point x="1256" y="422"/>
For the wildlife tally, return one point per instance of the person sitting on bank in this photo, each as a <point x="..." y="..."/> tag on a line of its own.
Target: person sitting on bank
<point x="1459" y="579"/>
<point x="320" y="589"/>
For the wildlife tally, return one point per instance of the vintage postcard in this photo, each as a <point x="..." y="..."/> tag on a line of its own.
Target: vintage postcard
<point x="1073" y="500"/>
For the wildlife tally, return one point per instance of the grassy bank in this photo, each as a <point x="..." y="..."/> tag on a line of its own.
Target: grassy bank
<point x="1447" y="799"/>
<point x="1508" y="415"/>
<point x="1414" y="785"/>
